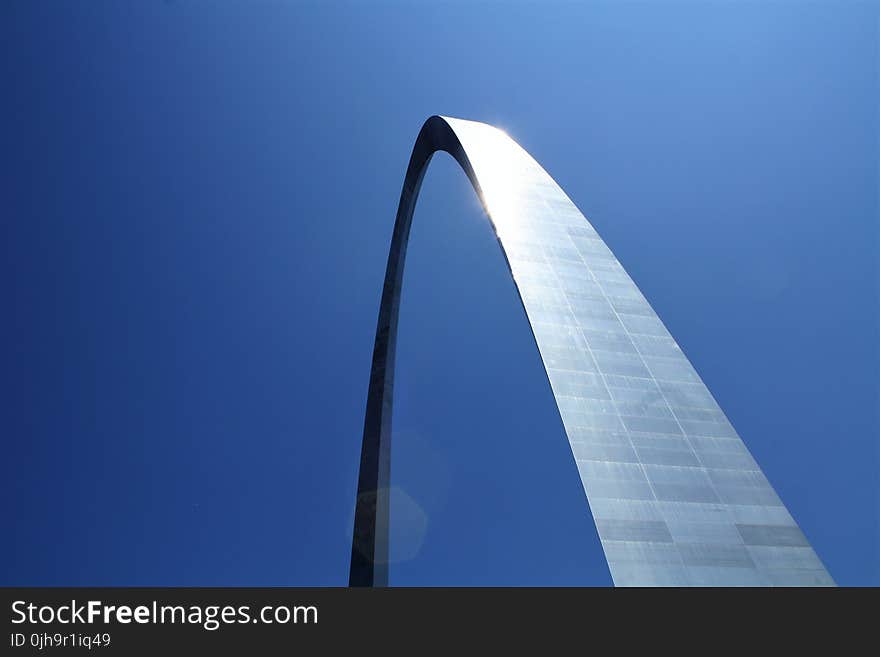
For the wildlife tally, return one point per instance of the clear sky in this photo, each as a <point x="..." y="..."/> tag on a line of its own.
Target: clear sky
<point x="197" y="205"/>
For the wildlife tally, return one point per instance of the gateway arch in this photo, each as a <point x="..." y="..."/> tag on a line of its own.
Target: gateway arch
<point x="676" y="496"/>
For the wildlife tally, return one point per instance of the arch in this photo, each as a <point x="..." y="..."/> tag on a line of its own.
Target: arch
<point x="676" y="496"/>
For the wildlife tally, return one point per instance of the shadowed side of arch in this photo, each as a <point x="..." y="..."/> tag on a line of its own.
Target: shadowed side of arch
<point x="676" y="496"/>
<point x="369" y="552"/>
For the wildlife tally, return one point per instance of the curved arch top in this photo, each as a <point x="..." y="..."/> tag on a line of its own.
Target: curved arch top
<point x="676" y="496"/>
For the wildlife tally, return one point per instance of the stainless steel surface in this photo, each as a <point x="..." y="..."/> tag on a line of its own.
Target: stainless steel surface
<point x="677" y="498"/>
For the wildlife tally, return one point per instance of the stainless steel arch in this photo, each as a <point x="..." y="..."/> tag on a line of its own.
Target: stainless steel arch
<point x="676" y="496"/>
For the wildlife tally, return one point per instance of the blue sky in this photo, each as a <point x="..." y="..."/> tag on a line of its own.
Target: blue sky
<point x="198" y="201"/>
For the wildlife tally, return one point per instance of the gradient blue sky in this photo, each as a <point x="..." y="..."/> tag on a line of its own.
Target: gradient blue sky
<point x="197" y="206"/>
